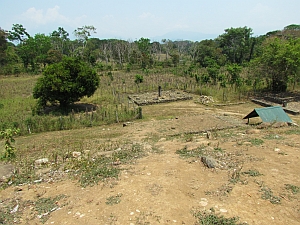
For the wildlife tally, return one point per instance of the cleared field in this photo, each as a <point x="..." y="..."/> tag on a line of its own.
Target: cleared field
<point x="164" y="180"/>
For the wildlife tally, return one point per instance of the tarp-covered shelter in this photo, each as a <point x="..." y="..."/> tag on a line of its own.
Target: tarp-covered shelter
<point x="270" y="114"/>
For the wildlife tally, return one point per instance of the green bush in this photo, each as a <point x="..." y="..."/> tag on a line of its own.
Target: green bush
<point x="66" y="82"/>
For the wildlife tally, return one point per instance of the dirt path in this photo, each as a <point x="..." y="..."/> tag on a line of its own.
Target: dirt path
<point x="164" y="188"/>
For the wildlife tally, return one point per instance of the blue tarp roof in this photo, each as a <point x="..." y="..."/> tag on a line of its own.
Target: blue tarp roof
<point x="270" y="114"/>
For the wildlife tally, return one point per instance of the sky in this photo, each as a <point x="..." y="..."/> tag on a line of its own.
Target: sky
<point x="133" y="19"/>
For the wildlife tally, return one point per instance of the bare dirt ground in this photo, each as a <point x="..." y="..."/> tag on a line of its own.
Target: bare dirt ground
<point x="165" y="188"/>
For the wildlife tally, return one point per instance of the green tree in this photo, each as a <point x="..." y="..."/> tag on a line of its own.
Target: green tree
<point x="42" y="45"/>
<point x="60" y="39"/>
<point x="279" y="61"/>
<point x="175" y="58"/>
<point x="3" y="46"/>
<point x="213" y="72"/>
<point x="83" y="34"/>
<point x="144" y="48"/>
<point x="34" y="50"/>
<point x="167" y="46"/>
<point x="234" y="71"/>
<point x="138" y="79"/>
<point x="8" y="136"/>
<point x="66" y="82"/>
<point x="292" y="27"/>
<point x="208" y="54"/>
<point x="236" y="44"/>
<point x="53" y="56"/>
<point x="18" y="33"/>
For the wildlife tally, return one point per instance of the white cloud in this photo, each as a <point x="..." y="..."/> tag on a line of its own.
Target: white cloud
<point x="51" y="15"/>
<point x="146" y="15"/>
<point x="34" y="15"/>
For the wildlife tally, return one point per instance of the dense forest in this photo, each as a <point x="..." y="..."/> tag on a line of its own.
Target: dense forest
<point x="235" y="58"/>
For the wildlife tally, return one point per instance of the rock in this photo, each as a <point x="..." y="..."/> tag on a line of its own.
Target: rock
<point x="209" y="162"/>
<point x="293" y="124"/>
<point x="223" y="210"/>
<point x="42" y="161"/>
<point x="76" y="154"/>
<point x="208" y="135"/>
<point x="203" y="202"/>
<point x="206" y="99"/>
<point x="6" y="171"/>
<point x="209" y="148"/>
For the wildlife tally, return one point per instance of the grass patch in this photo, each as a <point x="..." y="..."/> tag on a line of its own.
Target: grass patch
<point x="252" y="173"/>
<point x="256" y="141"/>
<point x="223" y="191"/>
<point x="113" y="200"/>
<point x="210" y="218"/>
<point x="293" y="131"/>
<point x="224" y="134"/>
<point x="93" y="170"/>
<point x="292" y="188"/>
<point x="267" y="194"/>
<point x="24" y="173"/>
<point x="89" y="168"/>
<point x="218" y="149"/>
<point x="185" y="153"/>
<point x="273" y="137"/>
<point x="144" y="217"/>
<point x="44" y="206"/>
<point x="11" y="211"/>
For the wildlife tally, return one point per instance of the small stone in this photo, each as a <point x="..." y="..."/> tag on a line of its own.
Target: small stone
<point x="203" y="203"/>
<point x="208" y="135"/>
<point x="276" y="149"/>
<point x="209" y="162"/>
<point x="132" y="213"/>
<point x="76" y="154"/>
<point x="42" y="161"/>
<point x="15" y="209"/>
<point x="38" y="181"/>
<point x="223" y="210"/>
<point x="18" y="189"/>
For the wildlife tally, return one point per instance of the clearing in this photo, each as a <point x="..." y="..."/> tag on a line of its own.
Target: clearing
<point x="257" y="178"/>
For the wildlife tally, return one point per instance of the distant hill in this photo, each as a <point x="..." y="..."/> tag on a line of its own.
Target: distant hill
<point x="184" y="35"/>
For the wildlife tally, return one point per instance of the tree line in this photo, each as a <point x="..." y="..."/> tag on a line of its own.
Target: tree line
<point x="273" y="58"/>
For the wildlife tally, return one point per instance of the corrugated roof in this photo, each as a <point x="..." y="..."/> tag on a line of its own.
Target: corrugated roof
<point x="270" y="114"/>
